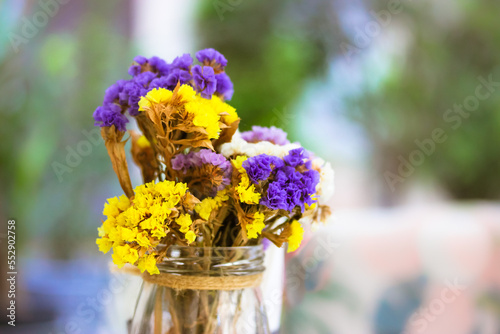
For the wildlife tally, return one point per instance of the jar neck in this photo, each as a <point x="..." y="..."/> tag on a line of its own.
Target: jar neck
<point x="213" y="261"/>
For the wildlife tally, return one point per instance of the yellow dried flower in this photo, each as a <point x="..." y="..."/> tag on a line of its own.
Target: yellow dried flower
<point x="190" y="237"/>
<point x="108" y="225"/>
<point x="186" y="93"/>
<point x="148" y="263"/>
<point x="295" y="239"/>
<point x="184" y="222"/>
<point x="229" y="114"/>
<point x="123" y="203"/>
<point x="143" y="240"/>
<point x="208" y="113"/>
<point x="133" y="227"/>
<point x="124" y="254"/>
<point x="143" y="142"/>
<point x="101" y="232"/>
<point x="104" y="244"/>
<point x="245" y="189"/>
<point x="205" y="207"/>
<point x="111" y="208"/>
<point x="256" y="226"/>
<point x="128" y="234"/>
<point x="159" y="232"/>
<point x="156" y="96"/>
<point x="115" y="236"/>
<point x="204" y="116"/>
<point x="238" y="162"/>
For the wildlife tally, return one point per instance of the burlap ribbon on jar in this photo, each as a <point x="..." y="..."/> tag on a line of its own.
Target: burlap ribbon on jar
<point x="190" y="282"/>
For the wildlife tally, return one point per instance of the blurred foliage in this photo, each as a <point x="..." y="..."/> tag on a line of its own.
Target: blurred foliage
<point x="439" y="57"/>
<point x="49" y="90"/>
<point x="273" y="47"/>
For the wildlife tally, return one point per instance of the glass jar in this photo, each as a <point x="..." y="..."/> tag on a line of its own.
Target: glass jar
<point x="203" y="290"/>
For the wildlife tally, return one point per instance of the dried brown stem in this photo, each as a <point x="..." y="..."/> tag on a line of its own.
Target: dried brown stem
<point x="116" y="151"/>
<point x="148" y="130"/>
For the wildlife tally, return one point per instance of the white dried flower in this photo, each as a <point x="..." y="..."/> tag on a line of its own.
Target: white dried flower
<point x="326" y="185"/>
<point x="239" y="146"/>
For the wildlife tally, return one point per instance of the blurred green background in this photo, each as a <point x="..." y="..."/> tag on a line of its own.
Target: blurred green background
<point x="358" y="95"/>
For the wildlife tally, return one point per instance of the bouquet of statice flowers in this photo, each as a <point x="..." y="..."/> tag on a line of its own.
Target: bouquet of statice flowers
<point x="204" y="183"/>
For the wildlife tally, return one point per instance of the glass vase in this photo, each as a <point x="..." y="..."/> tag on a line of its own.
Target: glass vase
<point x="203" y="290"/>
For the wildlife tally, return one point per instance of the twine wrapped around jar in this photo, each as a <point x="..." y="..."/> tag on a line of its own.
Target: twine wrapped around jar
<point x="177" y="282"/>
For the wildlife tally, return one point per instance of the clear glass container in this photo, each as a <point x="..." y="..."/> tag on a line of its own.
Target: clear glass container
<point x="230" y="306"/>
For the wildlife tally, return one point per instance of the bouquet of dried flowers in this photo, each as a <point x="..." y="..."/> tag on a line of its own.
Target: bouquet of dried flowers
<point x="205" y="184"/>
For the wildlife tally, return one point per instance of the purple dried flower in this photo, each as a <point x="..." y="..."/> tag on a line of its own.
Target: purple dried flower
<point x="276" y="197"/>
<point x="296" y="157"/>
<point x="265" y="243"/>
<point x="291" y="187"/>
<point x="110" y="114"/>
<point x="280" y="176"/>
<point x="259" y="133"/>
<point x="292" y="174"/>
<point x="144" y="79"/>
<point x="204" y="80"/>
<point x="154" y="64"/>
<point x="114" y="93"/>
<point x="136" y="67"/>
<point x="208" y="157"/>
<point x="224" y="86"/>
<point x="310" y="179"/>
<point x="141" y="60"/>
<point x="178" y="75"/>
<point x="182" y="162"/>
<point x="200" y="158"/>
<point x="183" y="62"/>
<point x="259" y="167"/>
<point x="197" y="161"/>
<point x="206" y="56"/>
<point x="159" y="65"/>
<point x="160" y="82"/>
<point x="294" y="196"/>
<point x="135" y="88"/>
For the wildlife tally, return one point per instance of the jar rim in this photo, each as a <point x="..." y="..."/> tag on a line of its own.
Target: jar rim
<point x="218" y="261"/>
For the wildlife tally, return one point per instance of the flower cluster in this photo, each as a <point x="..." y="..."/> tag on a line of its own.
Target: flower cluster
<point x="209" y="114"/>
<point x="134" y="228"/>
<point x="204" y="183"/>
<point x="208" y="79"/>
<point x="292" y="181"/>
<point x="203" y="169"/>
